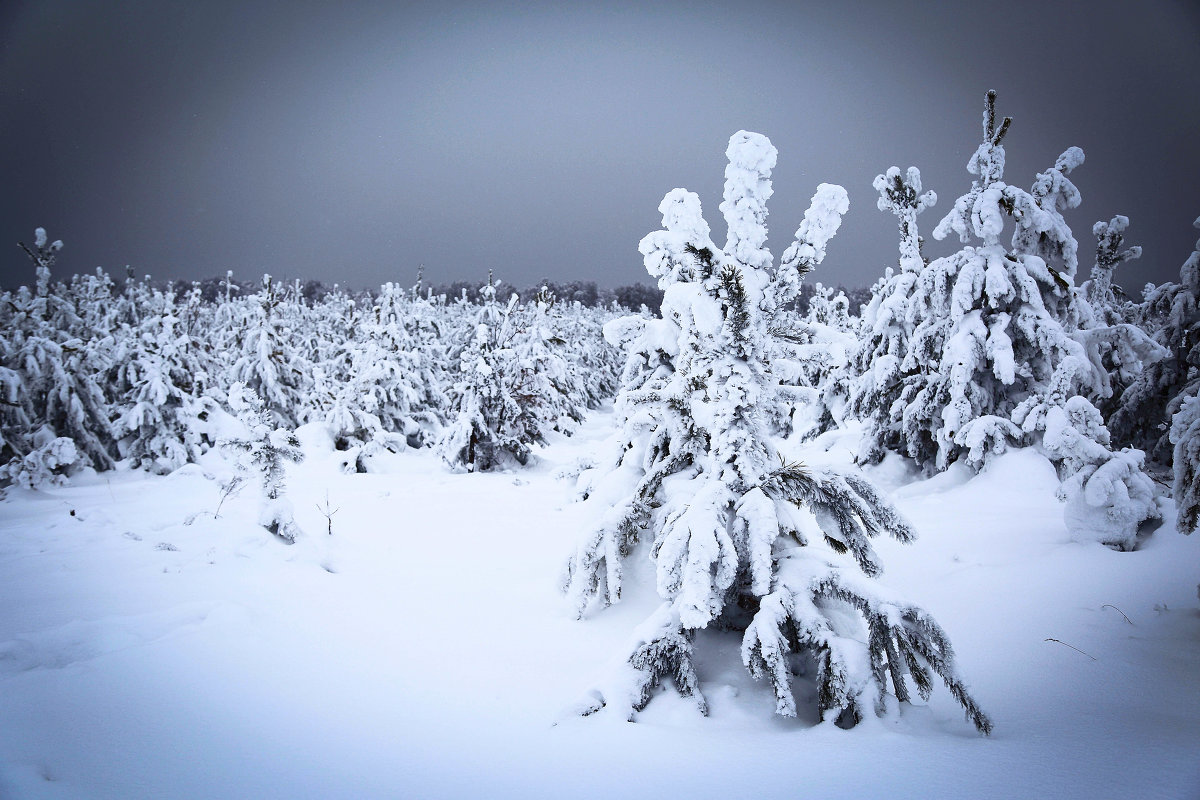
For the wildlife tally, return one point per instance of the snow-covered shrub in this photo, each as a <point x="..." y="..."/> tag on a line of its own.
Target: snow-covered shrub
<point x="46" y="465"/>
<point x="1160" y="410"/>
<point x="813" y="353"/>
<point x="739" y="538"/>
<point x="546" y="373"/>
<point x="264" y="451"/>
<point x="1107" y="494"/>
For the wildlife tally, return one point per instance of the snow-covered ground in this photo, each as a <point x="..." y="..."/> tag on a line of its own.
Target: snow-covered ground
<point x="422" y="649"/>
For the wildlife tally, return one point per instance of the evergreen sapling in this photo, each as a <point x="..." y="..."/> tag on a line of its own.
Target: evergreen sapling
<point x="739" y="537"/>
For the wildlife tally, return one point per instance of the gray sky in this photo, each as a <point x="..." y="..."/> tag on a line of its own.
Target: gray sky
<point x="352" y="142"/>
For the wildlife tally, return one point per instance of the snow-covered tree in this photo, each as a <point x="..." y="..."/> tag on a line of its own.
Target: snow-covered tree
<point x="1185" y="435"/>
<point x="264" y="451"/>
<point x="887" y="324"/>
<point x="493" y="420"/>
<point x="739" y="537"/>
<point x="1148" y="405"/>
<point x="266" y="359"/>
<point x="549" y="376"/>
<point x="54" y="368"/>
<point x="1159" y="410"/>
<point x="156" y="375"/>
<point x="813" y="352"/>
<point x="1117" y="346"/>
<point x="47" y="464"/>
<point x="997" y="354"/>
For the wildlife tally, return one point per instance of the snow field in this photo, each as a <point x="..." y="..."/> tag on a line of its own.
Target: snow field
<point x="423" y="649"/>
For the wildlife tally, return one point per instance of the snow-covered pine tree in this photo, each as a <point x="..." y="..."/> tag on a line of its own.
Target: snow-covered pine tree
<point x="545" y="371"/>
<point x="1147" y="407"/>
<point x="156" y="419"/>
<point x="997" y="358"/>
<point x="881" y="391"/>
<point x="1185" y="435"/>
<point x="54" y="368"/>
<point x="740" y="538"/>
<point x="412" y="399"/>
<point x="1160" y="410"/>
<point x="266" y="360"/>
<point x="265" y="451"/>
<point x="493" y="420"/>
<point x="1100" y="291"/>
<point x="1117" y="346"/>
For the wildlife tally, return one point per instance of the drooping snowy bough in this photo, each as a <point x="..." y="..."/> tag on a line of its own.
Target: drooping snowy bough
<point x="740" y="538"/>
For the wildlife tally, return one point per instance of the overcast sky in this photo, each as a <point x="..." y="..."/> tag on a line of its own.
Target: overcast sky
<point x="350" y="142"/>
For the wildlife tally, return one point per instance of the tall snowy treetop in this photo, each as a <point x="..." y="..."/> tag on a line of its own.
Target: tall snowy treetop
<point x="747" y="189"/>
<point x="896" y="192"/>
<point x="821" y="222"/>
<point x="1052" y="188"/>
<point x="1071" y="158"/>
<point x="1110" y="235"/>
<point x="666" y="252"/>
<point x="681" y="214"/>
<point x="988" y="160"/>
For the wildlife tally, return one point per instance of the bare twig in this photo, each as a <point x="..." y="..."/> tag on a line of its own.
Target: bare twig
<point x="1073" y="647"/>
<point x="1119" y="611"/>
<point x="228" y="490"/>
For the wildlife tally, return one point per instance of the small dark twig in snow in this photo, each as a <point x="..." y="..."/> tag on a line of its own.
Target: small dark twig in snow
<point x="228" y="490"/>
<point x="1073" y="647"/>
<point x="328" y="513"/>
<point x="1119" y="611"/>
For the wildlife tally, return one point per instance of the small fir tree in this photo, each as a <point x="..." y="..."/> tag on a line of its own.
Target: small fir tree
<point x="738" y="537"/>
<point x="266" y="450"/>
<point x="881" y="391"/>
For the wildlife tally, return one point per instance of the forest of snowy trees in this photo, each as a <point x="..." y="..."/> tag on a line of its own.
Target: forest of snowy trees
<point x="1013" y="341"/>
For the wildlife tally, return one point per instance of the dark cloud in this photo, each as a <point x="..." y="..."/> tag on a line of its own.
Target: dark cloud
<point x="353" y="142"/>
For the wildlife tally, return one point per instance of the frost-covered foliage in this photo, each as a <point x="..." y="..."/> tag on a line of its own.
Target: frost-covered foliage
<point x="267" y="358"/>
<point x="159" y="378"/>
<point x="137" y="374"/>
<point x="1107" y="494"/>
<point x="522" y="373"/>
<point x="739" y="538"/>
<point x="1004" y="352"/>
<point x="264" y="451"/>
